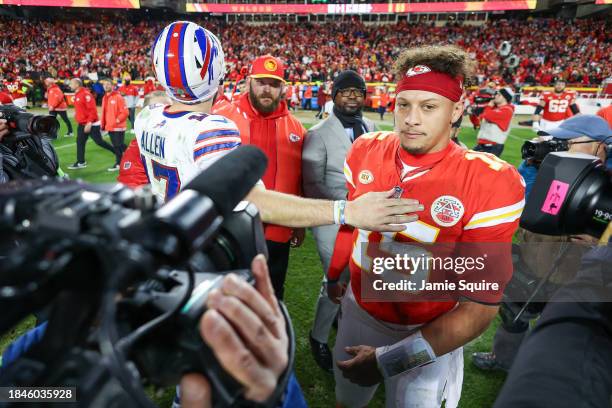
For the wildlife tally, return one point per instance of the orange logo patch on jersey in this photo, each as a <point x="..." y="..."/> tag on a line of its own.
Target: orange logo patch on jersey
<point x="366" y="177"/>
<point x="418" y="70"/>
<point x="446" y="211"/>
<point x="270" y="65"/>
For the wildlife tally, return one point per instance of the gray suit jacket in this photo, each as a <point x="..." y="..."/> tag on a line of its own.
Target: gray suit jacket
<point x="323" y="155"/>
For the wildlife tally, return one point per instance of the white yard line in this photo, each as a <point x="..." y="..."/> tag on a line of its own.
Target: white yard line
<point x="64" y="146"/>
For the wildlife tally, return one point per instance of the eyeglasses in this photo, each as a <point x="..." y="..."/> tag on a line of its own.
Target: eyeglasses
<point x="351" y="91"/>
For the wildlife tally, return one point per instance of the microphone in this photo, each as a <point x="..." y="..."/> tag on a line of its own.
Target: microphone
<point x="192" y="218"/>
<point x="227" y="181"/>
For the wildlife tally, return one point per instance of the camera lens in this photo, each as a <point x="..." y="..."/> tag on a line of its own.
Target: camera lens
<point x="43" y="124"/>
<point x="528" y="150"/>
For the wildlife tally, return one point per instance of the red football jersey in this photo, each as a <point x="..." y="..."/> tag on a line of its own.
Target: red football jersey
<point x="14" y="87"/>
<point x="557" y="106"/>
<point x="468" y="196"/>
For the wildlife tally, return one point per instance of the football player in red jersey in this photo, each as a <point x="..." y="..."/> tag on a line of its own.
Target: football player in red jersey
<point x="557" y="106"/>
<point x="16" y="88"/>
<point x="466" y="196"/>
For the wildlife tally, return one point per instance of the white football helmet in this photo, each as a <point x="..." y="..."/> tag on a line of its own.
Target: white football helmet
<point x="189" y="62"/>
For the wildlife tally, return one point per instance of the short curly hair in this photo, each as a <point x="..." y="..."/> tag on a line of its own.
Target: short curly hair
<point x="448" y="59"/>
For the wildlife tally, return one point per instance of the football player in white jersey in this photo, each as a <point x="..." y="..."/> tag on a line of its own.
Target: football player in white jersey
<point x="179" y="141"/>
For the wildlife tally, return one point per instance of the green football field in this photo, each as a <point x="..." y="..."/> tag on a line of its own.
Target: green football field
<point x="303" y="281"/>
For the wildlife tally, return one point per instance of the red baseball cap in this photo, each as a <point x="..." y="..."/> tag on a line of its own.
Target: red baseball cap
<point x="267" y="67"/>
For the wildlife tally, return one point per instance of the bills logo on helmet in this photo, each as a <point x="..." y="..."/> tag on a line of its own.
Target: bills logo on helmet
<point x="446" y="211"/>
<point x="418" y="70"/>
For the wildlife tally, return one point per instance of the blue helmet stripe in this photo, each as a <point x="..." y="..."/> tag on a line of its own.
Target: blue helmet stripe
<point x="182" y="62"/>
<point x="167" y="46"/>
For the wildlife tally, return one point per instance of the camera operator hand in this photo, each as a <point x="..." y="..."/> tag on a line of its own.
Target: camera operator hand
<point x="4" y="129"/>
<point x="245" y="329"/>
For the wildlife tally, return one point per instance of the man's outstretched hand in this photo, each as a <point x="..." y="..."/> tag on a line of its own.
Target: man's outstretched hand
<point x="380" y="212"/>
<point x="245" y="329"/>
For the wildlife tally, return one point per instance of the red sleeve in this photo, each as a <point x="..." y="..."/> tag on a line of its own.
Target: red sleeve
<point x="122" y="110"/>
<point x="103" y="118"/>
<point x="92" y="114"/>
<point x="54" y="100"/>
<point x="5" y="98"/>
<point x="491" y="223"/>
<point x="131" y="170"/>
<point x="500" y="116"/>
<point x="344" y="240"/>
<point x="342" y="252"/>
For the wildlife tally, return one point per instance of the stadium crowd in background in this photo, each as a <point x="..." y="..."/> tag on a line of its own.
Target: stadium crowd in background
<point x="574" y="50"/>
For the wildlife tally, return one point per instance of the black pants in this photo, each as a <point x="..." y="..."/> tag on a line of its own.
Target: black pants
<point x="278" y="261"/>
<point x="132" y="116"/>
<point x="64" y="117"/>
<point x="493" y="148"/>
<point x="117" y="139"/>
<point x="82" y="141"/>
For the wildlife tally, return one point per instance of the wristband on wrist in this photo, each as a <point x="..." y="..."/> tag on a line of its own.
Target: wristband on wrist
<point x="339" y="210"/>
<point x="404" y="356"/>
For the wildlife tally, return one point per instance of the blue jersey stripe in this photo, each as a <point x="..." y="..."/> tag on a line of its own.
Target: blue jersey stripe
<point x="222" y="132"/>
<point x="214" y="148"/>
<point x="181" y="62"/>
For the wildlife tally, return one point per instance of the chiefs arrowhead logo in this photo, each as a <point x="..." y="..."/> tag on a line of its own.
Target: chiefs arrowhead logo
<point x="418" y="70"/>
<point x="270" y="65"/>
<point x="446" y="211"/>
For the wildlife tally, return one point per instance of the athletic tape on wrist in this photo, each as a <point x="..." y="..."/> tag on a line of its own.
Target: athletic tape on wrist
<point x="406" y="355"/>
<point x="337" y="212"/>
<point x="342" y="206"/>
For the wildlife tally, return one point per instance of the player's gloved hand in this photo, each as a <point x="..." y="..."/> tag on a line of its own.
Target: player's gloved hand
<point x="377" y="211"/>
<point x="335" y="291"/>
<point x="362" y="369"/>
<point x="245" y="329"/>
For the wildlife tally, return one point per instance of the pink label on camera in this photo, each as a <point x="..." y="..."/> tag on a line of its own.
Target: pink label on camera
<point x="555" y="197"/>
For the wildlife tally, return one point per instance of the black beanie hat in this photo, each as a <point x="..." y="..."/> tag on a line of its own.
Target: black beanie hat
<point x="347" y="79"/>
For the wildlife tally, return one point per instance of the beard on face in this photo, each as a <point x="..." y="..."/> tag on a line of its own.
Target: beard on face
<point x="349" y="110"/>
<point x="269" y="108"/>
<point x="414" y="149"/>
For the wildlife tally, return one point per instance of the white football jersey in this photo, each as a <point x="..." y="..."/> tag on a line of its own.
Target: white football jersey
<point x="176" y="146"/>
